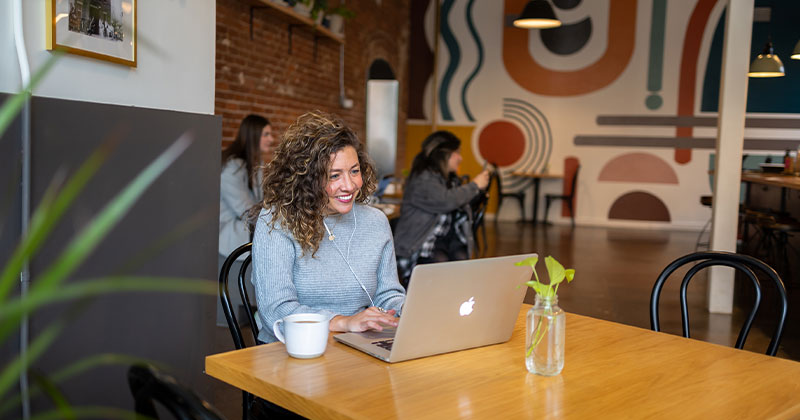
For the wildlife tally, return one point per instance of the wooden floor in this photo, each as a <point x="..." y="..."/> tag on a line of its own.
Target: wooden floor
<point x="615" y="271"/>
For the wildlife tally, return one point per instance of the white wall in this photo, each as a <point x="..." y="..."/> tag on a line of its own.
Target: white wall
<point x="175" y="69"/>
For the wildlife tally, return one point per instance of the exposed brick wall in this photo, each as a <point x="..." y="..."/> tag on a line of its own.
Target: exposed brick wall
<point x="260" y="76"/>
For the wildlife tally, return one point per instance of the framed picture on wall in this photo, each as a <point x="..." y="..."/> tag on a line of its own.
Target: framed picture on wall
<point x="102" y="29"/>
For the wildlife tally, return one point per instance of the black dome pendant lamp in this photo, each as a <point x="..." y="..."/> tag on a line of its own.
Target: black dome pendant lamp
<point x="537" y="14"/>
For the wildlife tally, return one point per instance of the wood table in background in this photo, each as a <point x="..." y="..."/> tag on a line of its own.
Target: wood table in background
<point x="775" y="180"/>
<point x="783" y="181"/>
<point x="611" y="371"/>
<point x="537" y="179"/>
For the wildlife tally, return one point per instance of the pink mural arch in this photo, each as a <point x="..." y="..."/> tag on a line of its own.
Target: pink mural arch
<point x="638" y="167"/>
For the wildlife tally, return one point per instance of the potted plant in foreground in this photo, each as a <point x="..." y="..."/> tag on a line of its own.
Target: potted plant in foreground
<point x="546" y="321"/>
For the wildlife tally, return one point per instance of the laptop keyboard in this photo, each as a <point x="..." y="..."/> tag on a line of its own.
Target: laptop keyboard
<point x="384" y="344"/>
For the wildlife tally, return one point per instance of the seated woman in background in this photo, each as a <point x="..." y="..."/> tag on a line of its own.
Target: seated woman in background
<point x="317" y="247"/>
<point x="240" y="190"/>
<point x="435" y="218"/>
<point x="240" y="181"/>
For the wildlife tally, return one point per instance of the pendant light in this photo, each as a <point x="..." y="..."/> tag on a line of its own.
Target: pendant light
<point x="767" y="64"/>
<point x="537" y="14"/>
<point x="796" y="52"/>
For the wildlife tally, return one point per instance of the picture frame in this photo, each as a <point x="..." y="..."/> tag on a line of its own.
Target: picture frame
<point x="101" y="29"/>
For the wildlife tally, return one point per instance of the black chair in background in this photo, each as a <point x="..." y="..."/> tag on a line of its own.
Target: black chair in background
<point x="224" y="295"/>
<point x="479" y="205"/>
<point x="740" y="262"/>
<point x="518" y="195"/>
<point x="149" y="385"/>
<point x="568" y="198"/>
<point x="252" y="406"/>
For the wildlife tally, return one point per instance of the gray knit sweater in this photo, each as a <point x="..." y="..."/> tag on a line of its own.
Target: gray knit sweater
<point x="288" y="282"/>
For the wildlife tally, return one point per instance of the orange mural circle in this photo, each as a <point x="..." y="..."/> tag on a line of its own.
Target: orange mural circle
<point x="501" y="143"/>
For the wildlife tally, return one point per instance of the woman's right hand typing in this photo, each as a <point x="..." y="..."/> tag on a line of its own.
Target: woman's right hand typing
<point x="368" y="319"/>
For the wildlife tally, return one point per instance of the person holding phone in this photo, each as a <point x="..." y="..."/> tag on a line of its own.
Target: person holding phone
<point x="435" y="218"/>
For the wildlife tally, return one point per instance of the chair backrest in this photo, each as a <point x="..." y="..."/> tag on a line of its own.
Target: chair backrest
<point x="233" y="324"/>
<point x="479" y="211"/>
<point x="496" y="177"/>
<point x="227" y="307"/>
<point x="574" y="182"/>
<point x="740" y="262"/>
<point x="147" y="385"/>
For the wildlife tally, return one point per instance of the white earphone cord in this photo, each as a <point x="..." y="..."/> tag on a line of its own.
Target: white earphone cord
<point x="330" y="235"/>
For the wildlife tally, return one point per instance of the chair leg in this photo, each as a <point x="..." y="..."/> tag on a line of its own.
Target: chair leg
<point x="571" y="212"/>
<point x="547" y="201"/>
<point x="499" y="203"/>
<point x="485" y="239"/>
<point x="698" y="243"/>
<point x="521" y="200"/>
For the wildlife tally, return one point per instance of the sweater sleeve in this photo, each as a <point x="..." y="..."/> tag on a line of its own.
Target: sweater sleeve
<point x="390" y="294"/>
<point x="233" y="189"/>
<point x="274" y="255"/>
<point x="430" y="193"/>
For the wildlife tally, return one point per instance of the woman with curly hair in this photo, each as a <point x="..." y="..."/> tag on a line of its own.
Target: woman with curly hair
<point x="317" y="247"/>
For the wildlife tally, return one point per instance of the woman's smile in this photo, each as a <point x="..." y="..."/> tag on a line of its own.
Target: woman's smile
<point x="344" y="180"/>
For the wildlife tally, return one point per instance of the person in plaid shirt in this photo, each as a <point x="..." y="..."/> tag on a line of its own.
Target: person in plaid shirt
<point x="435" y="218"/>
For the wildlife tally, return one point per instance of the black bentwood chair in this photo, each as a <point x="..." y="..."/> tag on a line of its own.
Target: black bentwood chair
<point x="740" y="262"/>
<point x="148" y="384"/>
<point x="518" y="195"/>
<point x="252" y="407"/>
<point x="479" y="205"/>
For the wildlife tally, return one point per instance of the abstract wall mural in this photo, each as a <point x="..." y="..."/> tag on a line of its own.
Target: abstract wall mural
<point x="639" y="205"/>
<point x="628" y="88"/>
<point x="536" y="77"/>
<point x="638" y="167"/>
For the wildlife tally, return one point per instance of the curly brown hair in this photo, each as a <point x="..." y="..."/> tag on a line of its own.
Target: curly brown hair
<point x="295" y="180"/>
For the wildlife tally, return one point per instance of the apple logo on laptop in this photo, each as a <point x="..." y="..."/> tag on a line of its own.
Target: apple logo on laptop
<point x="466" y="307"/>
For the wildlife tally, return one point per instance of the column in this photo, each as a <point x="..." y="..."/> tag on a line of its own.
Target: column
<point x="730" y="141"/>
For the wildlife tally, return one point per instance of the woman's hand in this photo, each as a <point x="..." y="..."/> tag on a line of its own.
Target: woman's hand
<point x="482" y="179"/>
<point x="368" y="319"/>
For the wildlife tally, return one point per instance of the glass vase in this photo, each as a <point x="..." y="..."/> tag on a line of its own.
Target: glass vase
<point x="544" y="343"/>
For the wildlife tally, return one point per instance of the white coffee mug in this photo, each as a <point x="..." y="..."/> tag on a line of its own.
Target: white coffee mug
<point x="306" y="335"/>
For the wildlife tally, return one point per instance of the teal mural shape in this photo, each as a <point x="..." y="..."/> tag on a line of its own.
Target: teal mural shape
<point x="478" y="65"/>
<point x="455" y="57"/>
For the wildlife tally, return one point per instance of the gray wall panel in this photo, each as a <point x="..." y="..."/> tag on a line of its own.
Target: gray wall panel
<point x="171" y="231"/>
<point x="10" y="201"/>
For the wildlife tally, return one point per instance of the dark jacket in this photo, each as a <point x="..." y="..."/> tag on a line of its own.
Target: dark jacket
<point x="425" y="197"/>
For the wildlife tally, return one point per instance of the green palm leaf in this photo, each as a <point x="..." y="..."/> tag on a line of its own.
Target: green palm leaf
<point x="10" y="373"/>
<point x="13" y="104"/>
<point x="47" y="214"/>
<point x="86" y="241"/>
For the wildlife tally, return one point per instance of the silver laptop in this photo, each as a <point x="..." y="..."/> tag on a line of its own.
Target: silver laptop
<point x="451" y="306"/>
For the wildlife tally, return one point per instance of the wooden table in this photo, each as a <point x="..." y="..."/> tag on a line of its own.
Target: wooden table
<point x="537" y="179"/>
<point x="783" y="181"/>
<point x="776" y="180"/>
<point x="611" y="371"/>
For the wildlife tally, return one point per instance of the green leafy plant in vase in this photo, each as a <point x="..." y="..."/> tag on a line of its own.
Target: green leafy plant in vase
<point x="546" y="321"/>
